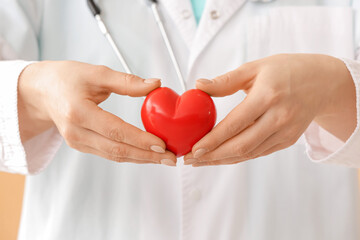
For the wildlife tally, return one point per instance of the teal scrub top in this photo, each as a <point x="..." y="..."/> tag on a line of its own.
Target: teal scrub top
<point x="198" y="8"/>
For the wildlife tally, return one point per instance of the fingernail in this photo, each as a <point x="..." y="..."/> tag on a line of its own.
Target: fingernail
<point x="157" y="149"/>
<point x="191" y="161"/>
<point x="168" y="162"/>
<point x="198" y="153"/>
<point x="205" y="81"/>
<point x="151" y="80"/>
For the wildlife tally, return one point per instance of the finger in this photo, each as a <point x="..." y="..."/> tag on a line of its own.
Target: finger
<point x="270" y="142"/>
<point x="126" y="84"/>
<point x="273" y="144"/>
<point x="233" y="135"/>
<point x="226" y="161"/>
<point x="114" y="128"/>
<point x="228" y="83"/>
<point x="87" y="149"/>
<point x="269" y="146"/>
<point x="276" y="139"/>
<point x="120" y="150"/>
<point x="85" y="137"/>
<point x="275" y="148"/>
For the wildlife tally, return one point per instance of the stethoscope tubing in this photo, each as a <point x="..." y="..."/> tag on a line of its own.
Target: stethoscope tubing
<point x="169" y="47"/>
<point x="96" y="11"/>
<point x="112" y="43"/>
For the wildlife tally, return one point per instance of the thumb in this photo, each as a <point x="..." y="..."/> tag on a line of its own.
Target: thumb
<point x="129" y="84"/>
<point x="228" y="83"/>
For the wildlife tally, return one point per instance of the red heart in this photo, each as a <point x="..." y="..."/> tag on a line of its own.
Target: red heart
<point x="180" y="121"/>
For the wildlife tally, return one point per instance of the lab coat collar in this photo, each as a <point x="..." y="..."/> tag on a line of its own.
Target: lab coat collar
<point x="198" y="37"/>
<point x="181" y="13"/>
<point x="215" y="16"/>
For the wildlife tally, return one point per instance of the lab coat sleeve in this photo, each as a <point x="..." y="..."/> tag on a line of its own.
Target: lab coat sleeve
<point x="18" y="40"/>
<point x="323" y="147"/>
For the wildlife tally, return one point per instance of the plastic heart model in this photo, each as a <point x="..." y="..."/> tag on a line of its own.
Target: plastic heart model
<point x="180" y="121"/>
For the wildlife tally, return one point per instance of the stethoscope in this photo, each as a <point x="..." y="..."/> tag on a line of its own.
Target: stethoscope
<point x="96" y="11"/>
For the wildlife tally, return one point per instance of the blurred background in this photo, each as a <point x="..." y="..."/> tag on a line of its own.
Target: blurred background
<point x="11" y="194"/>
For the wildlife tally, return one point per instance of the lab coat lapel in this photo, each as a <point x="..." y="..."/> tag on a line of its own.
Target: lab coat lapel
<point x="215" y="16"/>
<point x="182" y="14"/>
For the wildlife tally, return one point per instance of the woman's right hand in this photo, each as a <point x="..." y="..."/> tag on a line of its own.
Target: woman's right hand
<point x="66" y="94"/>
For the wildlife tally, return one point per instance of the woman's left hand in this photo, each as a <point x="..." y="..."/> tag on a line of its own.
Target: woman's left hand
<point x="285" y="93"/>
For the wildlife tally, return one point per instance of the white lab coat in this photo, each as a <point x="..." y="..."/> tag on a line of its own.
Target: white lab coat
<point x="80" y="196"/>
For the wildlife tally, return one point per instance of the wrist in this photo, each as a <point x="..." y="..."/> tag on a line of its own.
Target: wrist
<point x="338" y="115"/>
<point x="30" y="92"/>
<point x="32" y="115"/>
<point x="340" y="88"/>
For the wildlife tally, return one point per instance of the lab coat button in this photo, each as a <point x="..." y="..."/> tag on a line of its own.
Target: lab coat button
<point x="185" y="14"/>
<point x="195" y="194"/>
<point x="214" y="14"/>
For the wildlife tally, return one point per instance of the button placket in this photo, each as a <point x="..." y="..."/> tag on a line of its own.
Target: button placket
<point x="191" y="194"/>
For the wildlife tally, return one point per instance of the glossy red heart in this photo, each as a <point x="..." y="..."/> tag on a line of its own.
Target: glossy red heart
<point x="180" y="121"/>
